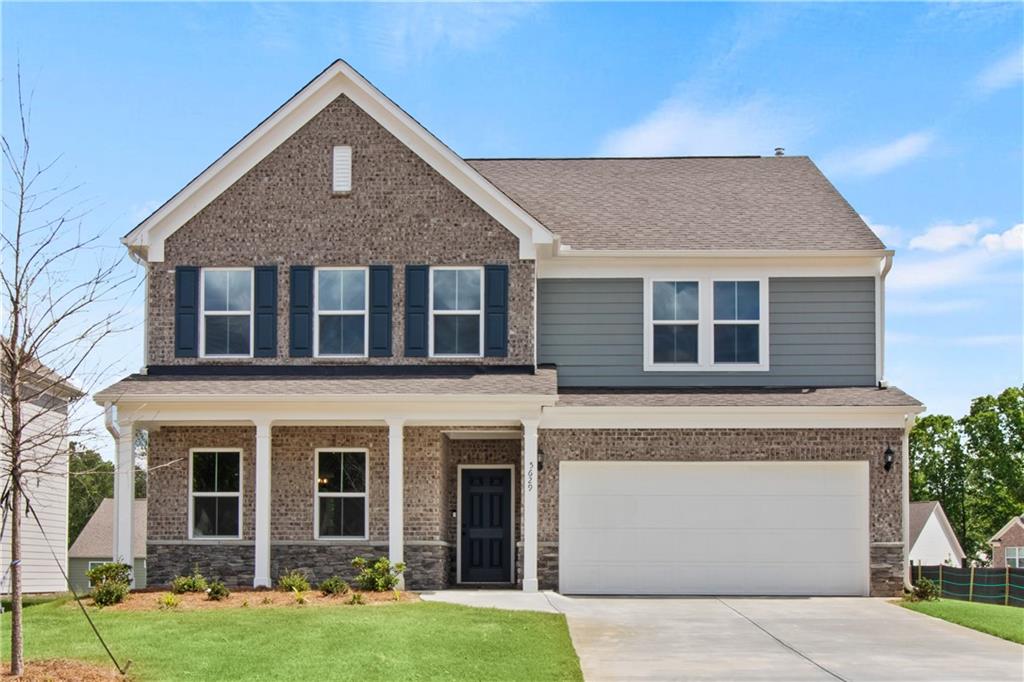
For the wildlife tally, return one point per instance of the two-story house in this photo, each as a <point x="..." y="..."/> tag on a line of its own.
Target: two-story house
<point x="646" y="375"/>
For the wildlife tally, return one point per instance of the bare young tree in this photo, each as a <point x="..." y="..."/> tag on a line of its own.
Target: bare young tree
<point x="63" y="294"/>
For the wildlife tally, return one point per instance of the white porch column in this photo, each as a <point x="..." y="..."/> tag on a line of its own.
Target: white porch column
<point x="396" y="494"/>
<point x="261" y="570"/>
<point x="124" y="496"/>
<point x="530" y="505"/>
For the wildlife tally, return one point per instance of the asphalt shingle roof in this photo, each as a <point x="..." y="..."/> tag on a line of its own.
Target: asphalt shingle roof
<point x="96" y="541"/>
<point x="842" y="396"/>
<point x="770" y="203"/>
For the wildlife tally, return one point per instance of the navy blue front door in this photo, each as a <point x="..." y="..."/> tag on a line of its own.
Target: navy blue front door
<point x="486" y="525"/>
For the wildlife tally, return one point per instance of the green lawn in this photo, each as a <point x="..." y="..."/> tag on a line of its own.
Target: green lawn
<point x="410" y="641"/>
<point x="1002" y="621"/>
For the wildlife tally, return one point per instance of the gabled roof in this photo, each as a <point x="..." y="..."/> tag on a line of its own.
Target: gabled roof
<point x="920" y="512"/>
<point x="1002" y="531"/>
<point x="147" y="239"/>
<point x="96" y="541"/>
<point x="684" y="203"/>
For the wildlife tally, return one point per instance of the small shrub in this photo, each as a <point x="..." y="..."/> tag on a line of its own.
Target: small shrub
<point x="396" y="595"/>
<point x="380" y="576"/>
<point x="356" y="598"/>
<point x="300" y="596"/>
<point x="245" y="604"/>
<point x="924" y="590"/>
<point x="110" y="592"/>
<point x="267" y="600"/>
<point x="189" y="583"/>
<point x="293" y="581"/>
<point x="110" y="572"/>
<point x="169" y="601"/>
<point x="333" y="586"/>
<point x="217" y="591"/>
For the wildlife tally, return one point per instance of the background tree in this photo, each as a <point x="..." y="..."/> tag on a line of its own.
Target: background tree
<point x="62" y="295"/>
<point x="939" y="468"/>
<point x="91" y="479"/>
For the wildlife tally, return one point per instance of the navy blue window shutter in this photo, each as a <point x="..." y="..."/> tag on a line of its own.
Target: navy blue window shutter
<point x="495" y="311"/>
<point x="380" y="311"/>
<point x="186" y="312"/>
<point x="417" y="289"/>
<point x="265" y="323"/>
<point x="300" y="319"/>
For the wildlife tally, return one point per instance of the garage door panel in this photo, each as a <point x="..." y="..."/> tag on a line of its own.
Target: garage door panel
<point x="713" y="528"/>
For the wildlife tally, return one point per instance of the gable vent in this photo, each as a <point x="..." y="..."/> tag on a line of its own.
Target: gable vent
<point x="343" y="169"/>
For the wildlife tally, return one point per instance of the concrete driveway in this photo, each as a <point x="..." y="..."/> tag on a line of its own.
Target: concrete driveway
<point x="789" y="639"/>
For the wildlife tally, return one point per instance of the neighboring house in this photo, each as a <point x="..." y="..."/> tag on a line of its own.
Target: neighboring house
<point x="656" y="375"/>
<point x="1008" y="545"/>
<point x="932" y="540"/>
<point x="45" y="466"/>
<point x="95" y="545"/>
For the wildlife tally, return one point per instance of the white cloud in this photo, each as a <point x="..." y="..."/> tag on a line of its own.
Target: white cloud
<point x="889" y="234"/>
<point x="1011" y="240"/>
<point x="139" y="212"/>
<point x="945" y="236"/>
<point x="680" y="126"/>
<point x="881" y="158"/>
<point x="969" y="266"/>
<point x="1003" y="73"/>
<point x="919" y="308"/>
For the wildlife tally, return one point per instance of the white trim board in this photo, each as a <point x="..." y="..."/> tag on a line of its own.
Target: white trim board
<point x="635" y="417"/>
<point x="147" y="239"/>
<point x="458" y="519"/>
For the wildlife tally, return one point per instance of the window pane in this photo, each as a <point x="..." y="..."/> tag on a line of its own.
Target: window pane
<point x="328" y="293"/>
<point x="329" y="472"/>
<point x="748" y="301"/>
<point x="468" y="297"/>
<point x="353" y="516"/>
<point x="330" y="516"/>
<point x="444" y="289"/>
<point x="238" y="334"/>
<point x="457" y="334"/>
<point x="355" y="473"/>
<point x="216" y="341"/>
<point x="204" y="516"/>
<point x="353" y="288"/>
<point x="675" y="301"/>
<point x="342" y="334"/>
<point x="239" y="295"/>
<point x="675" y="343"/>
<point x="736" y="343"/>
<point x="215" y="290"/>
<point x="725" y="300"/>
<point x="227" y="472"/>
<point x="204" y="472"/>
<point x="227" y="515"/>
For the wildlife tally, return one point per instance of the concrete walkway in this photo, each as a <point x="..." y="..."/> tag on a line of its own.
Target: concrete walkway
<point x="795" y="639"/>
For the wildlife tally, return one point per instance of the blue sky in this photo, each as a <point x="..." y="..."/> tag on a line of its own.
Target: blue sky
<point x="913" y="110"/>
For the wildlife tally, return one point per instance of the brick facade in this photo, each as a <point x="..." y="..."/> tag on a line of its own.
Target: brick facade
<point x="400" y="211"/>
<point x="1014" y="537"/>
<point x="431" y="491"/>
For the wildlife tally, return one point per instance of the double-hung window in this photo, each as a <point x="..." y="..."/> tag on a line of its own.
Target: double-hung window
<point x="737" y="322"/>
<point x="676" y="320"/>
<point x="341" y="502"/>
<point x="456" y="323"/>
<point x="341" y="312"/>
<point x="215" y="491"/>
<point x="227" y="312"/>
<point x="1015" y="557"/>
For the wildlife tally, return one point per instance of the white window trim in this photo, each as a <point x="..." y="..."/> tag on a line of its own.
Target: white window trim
<point x="479" y="312"/>
<point x="234" y="313"/>
<point x="348" y="313"/>
<point x="317" y="495"/>
<point x="192" y="495"/>
<point x="706" y="326"/>
<point x="91" y="565"/>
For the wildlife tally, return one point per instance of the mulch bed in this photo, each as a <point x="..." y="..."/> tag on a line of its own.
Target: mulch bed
<point x="249" y="598"/>
<point x="60" y="670"/>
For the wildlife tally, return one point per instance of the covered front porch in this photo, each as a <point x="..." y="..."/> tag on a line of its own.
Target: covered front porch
<point x="445" y="483"/>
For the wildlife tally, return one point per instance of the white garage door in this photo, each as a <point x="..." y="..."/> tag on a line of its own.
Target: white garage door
<point x="713" y="528"/>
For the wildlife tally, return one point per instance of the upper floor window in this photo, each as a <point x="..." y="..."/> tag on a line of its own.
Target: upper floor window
<point x="341" y="500"/>
<point x="341" y="305"/>
<point x="705" y="324"/>
<point x="737" y="322"/>
<point x="226" y="312"/>
<point x="456" y="314"/>
<point x="215" y="489"/>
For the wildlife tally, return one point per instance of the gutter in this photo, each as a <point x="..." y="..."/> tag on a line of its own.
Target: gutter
<point x="109" y="422"/>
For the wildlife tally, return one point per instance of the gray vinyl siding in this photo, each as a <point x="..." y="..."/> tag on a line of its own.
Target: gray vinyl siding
<point x="80" y="581"/>
<point x="821" y="333"/>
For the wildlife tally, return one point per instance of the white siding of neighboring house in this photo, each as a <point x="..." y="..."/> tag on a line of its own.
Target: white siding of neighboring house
<point x="933" y="546"/>
<point x="49" y="495"/>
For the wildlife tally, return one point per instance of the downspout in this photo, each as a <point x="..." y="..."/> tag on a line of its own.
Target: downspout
<point x="110" y="421"/>
<point x="880" y="321"/>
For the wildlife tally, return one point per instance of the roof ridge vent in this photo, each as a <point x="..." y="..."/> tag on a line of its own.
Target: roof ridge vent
<point x="780" y="151"/>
